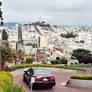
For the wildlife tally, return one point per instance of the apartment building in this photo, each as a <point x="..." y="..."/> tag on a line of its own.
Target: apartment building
<point x="43" y="41"/>
<point x="13" y="35"/>
<point x="85" y="37"/>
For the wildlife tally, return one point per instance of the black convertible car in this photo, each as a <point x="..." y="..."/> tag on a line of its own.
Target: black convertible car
<point x="41" y="77"/>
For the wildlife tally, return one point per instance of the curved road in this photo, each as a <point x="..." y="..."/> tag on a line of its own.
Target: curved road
<point x="61" y="77"/>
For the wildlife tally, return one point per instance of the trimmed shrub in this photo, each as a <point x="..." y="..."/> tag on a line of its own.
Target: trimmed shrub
<point x="29" y="59"/>
<point x="6" y="83"/>
<point x="54" y="62"/>
<point x="81" y="65"/>
<point x="17" y="88"/>
<point x="63" y="60"/>
<point x="12" y="68"/>
<point x="82" y="76"/>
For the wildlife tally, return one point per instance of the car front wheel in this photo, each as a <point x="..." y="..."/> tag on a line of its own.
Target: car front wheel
<point x="50" y="87"/>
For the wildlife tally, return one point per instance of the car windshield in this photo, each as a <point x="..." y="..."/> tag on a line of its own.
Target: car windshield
<point x="41" y="72"/>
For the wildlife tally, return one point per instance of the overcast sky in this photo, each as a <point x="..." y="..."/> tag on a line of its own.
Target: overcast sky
<point x="61" y="12"/>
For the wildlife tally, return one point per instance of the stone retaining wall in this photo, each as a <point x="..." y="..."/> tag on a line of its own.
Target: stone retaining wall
<point x="79" y="83"/>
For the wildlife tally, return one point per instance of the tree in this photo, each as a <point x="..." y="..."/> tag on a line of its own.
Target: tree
<point x="63" y="60"/>
<point x="17" y="56"/>
<point x="5" y="54"/>
<point x="79" y="53"/>
<point x="69" y="35"/>
<point x="20" y="55"/>
<point x="87" y="59"/>
<point x="4" y="35"/>
<point x="54" y="61"/>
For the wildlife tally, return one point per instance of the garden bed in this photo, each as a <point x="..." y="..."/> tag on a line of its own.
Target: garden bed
<point x="12" y="68"/>
<point x="78" y="80"/>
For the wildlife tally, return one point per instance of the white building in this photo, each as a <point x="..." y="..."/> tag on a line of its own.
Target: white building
<point x="13" y="35"/>
<point x="43" y="41"/>
<point x="86" y="37"/>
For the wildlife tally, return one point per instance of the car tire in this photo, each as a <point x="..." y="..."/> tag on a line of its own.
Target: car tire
<point x="50" y="87"/>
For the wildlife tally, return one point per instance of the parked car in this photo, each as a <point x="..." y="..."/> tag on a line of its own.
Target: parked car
<point x="41" y="76"/>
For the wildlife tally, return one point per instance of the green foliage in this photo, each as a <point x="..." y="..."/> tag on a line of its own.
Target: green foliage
<point x="5" y="52"/>
<point x="68" y="35"/>
<point x="13" y="51"/>
<point x="12" y="68"/>
<point x="6" y="83"/>
<point x="29" y="59"/>
<point x="63" y="60"/>
<point x="80" y="65"/>
<point x="4" y="35"/>
<point x="17" y="56"/>
<point x="79" y="53"/>
<point x="55" y="62"/>
<point x="17" y="88"/>
<point x="82" y="76"/>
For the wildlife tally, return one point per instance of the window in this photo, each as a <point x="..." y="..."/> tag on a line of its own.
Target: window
<point x="28" y="72"/>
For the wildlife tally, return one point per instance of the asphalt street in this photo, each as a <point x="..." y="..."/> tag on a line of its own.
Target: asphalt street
<point x="61" y="78"/>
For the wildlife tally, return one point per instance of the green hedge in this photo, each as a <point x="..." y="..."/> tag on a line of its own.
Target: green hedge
<point x="12" y="68"/>
<point x="80" y="65"/>
<point x="17" y="88"/>
<point x="82" y="76"/>
<point x="29" y="59"/>
<point x="6" y="83"/>
<point x="62" y="60"/>
<point x="54" y="62"/>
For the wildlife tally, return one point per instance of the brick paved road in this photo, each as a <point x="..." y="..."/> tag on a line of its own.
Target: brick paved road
<point x="60" y="78"/>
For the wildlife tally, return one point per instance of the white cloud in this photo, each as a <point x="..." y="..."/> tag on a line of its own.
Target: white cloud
<point x="54" y="11"/>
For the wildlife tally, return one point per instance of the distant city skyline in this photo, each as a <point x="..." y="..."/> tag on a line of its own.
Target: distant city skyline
<point x="59" y="12"/>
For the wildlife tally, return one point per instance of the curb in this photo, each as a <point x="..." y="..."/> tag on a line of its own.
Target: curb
<point x="79" y="83"/>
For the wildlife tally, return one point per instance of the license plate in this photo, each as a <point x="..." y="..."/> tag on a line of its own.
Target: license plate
<point x="45" y="79"/>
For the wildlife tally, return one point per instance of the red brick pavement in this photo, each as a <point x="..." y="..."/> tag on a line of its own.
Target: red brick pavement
<point x="60" y="78"/>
